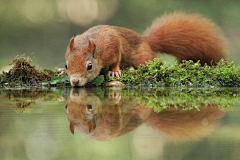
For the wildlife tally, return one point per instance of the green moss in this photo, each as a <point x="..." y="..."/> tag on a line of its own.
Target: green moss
<point x="23" y="73"/>
<point x="153" y="74"/>
<point x="187" y="73"/>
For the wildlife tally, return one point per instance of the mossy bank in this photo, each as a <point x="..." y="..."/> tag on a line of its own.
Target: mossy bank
<point x="153" y="74"/>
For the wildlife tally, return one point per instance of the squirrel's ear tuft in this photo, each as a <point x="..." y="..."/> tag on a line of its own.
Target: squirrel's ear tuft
<point x="71" y="44"/>
<point x="91" y="47"/>
<point x="71" y="128"/>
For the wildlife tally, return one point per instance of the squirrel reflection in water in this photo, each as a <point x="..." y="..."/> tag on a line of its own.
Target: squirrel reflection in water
<point x="107" y="118"/>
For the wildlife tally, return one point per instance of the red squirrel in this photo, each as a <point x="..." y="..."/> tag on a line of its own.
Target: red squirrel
<point x="187" y="37"/>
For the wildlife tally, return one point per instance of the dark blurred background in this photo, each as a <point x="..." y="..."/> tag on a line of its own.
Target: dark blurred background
<point x="42" y="29"/>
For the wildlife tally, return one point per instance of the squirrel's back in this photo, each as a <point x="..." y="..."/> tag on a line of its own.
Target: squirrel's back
<point x="187" y="37"/>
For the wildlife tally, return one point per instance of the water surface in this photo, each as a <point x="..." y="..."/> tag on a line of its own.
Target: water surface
<point x="100" y="123"/>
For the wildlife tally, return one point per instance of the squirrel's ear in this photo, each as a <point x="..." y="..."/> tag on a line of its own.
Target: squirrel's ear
<point x="91" y="126"/>
<point x="71" y="44"/>
<point x="91" y="47"/>
<point x="71" y="128"/>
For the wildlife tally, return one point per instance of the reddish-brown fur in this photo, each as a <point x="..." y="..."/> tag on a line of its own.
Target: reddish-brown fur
<point x="187" y="37"/>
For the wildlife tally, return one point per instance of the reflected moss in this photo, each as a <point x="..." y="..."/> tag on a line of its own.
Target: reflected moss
<point x="188" y="99"/>
<point x="22" y="107"/>
<point x="158" y="99"/>
<point x="23" y="99"/>
<point x="185" y="99"/>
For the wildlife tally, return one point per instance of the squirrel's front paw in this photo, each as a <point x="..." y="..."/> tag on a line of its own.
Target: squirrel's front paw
<point x="61" y="71"/>
<point x="117" y="74"/>
<point x="115" y="96"/>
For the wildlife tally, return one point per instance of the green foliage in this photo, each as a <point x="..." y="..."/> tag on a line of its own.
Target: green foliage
<point x="45" y="82"/>
<point x="57" y="80"/>
<point x="64" y="80"/>
<point x="97" y="81"/>
<point x="187" y="73"/>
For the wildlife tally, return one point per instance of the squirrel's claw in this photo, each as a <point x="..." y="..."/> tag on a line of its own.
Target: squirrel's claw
<point x="117" y="74"/>
<point x="61" y="71"/>
<point x="115" y="96"/>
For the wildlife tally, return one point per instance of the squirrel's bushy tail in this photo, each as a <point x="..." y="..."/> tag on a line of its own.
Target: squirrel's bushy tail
<point x="187" y="37"/>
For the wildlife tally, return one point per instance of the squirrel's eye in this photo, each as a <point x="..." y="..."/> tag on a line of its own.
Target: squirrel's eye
<point x="89" y="66"/>
<point x="65" y="66"/>
<point x="89" y="108"/>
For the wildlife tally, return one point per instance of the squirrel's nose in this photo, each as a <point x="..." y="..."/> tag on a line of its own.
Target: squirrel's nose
<point x="75" y="81"/>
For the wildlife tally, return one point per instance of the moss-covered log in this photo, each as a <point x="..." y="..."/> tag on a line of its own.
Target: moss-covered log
<point x="153" y="74"/>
